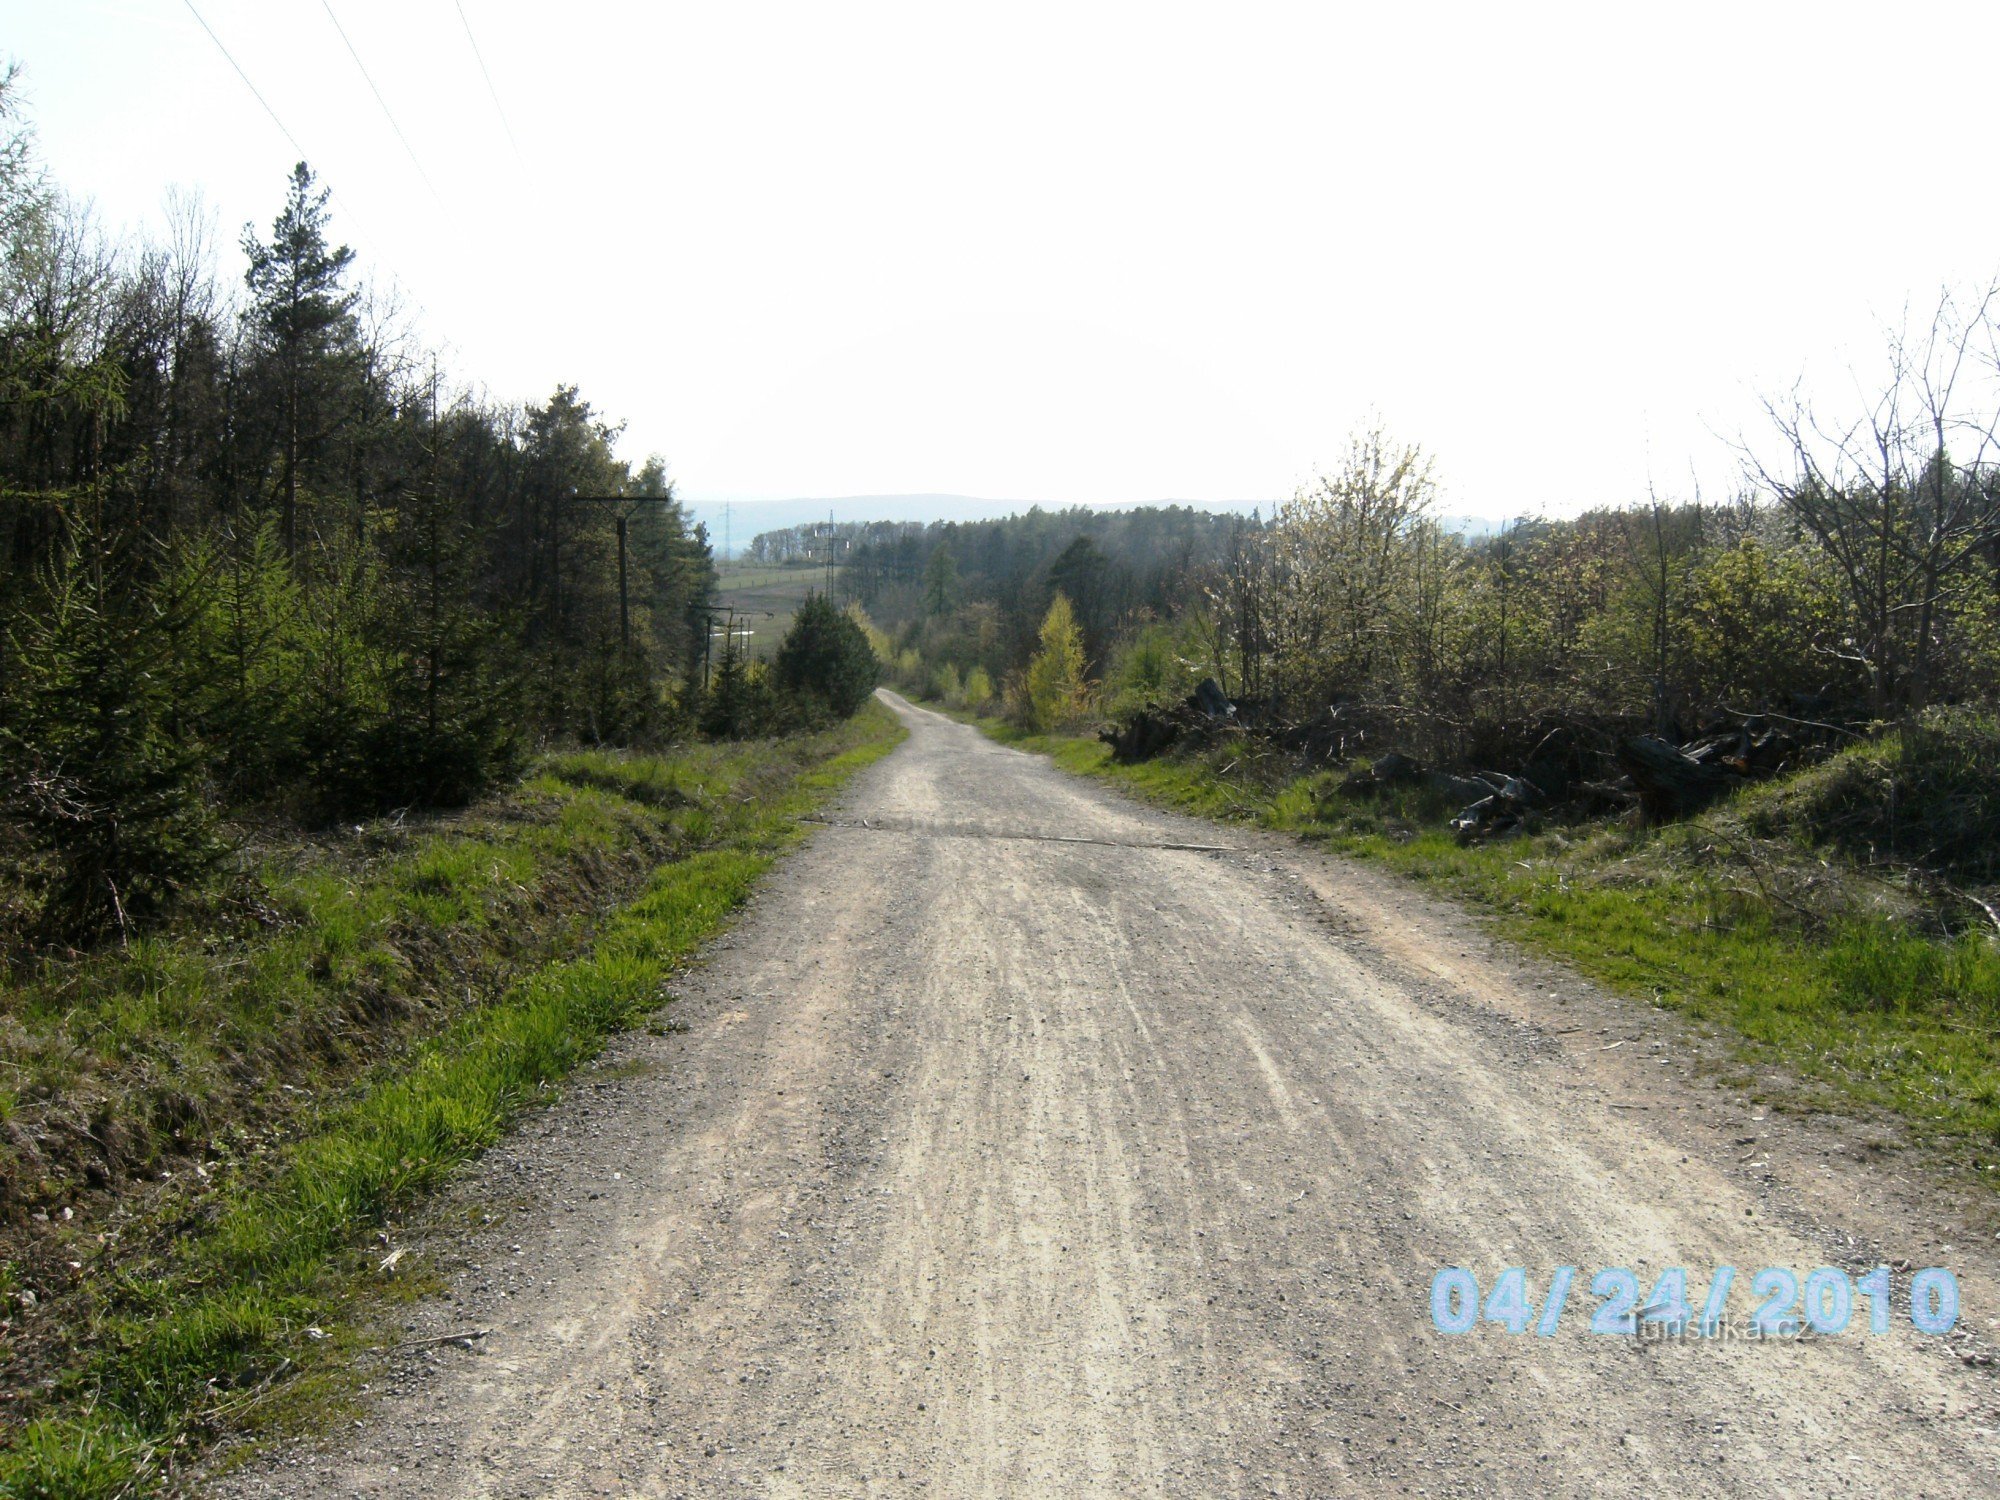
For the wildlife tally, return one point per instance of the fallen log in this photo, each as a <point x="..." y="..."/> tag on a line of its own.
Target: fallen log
<point x="1208" y="698"/>
<point x="1460" y="788"/>
<point x="1503" y="810"/>
<point x="1142" y="736"/>
<point x="1605" y="797"/>
<point x="1393" y="769"/>
<point x="1671" y="782"/>
<point x="1148" y="732"/>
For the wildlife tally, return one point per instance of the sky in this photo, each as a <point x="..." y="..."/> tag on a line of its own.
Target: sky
<point x="1094" y="253"/>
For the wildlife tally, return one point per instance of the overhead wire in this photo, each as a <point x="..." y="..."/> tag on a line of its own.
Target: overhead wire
<point x="297" y="146"/>
<point x="480" y="58"/>
<point x="387" y="113"/>
<point x="231" y="60"/>
<point x="283" y="129"/>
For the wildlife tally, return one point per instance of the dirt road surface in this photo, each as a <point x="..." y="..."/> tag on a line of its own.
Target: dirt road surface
<point x="1010" y="1150"/>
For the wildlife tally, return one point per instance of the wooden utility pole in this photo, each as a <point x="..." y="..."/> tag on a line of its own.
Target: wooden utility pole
<point x="727" y="614"/>
<point x="624" y="601"/>
<point x="624" y="609"/>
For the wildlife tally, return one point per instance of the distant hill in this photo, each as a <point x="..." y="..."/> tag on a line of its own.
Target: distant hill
<point x="745" y="518"/>
<point x="1471" y="527"/>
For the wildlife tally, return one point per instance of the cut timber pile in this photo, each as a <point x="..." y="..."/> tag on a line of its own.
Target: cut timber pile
<point x="1663" y="780"/>
<point x="1151" y="731"/>
<point x="1673" y="782"/>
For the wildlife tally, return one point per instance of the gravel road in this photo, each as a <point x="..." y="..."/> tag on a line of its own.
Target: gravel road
<point x="1011" y="1150"/>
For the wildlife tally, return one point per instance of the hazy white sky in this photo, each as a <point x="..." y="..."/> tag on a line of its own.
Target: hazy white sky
<point x="1092" y="252"/>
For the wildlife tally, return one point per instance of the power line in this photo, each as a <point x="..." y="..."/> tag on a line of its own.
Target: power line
<point x="387" y="113"/>
<point x="479" y="57"/>
<point x="303" y="153"/>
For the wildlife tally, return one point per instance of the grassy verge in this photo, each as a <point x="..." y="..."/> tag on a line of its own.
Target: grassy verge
<point x="1842" y="974"/>
<point x="232" y="1304"/>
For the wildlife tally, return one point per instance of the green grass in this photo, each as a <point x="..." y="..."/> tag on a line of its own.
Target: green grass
<point x="1824" y="967"/>
<point x="761" y="589"/>
<point x="1927" y="794"/>
<point x="250" y="1307"/>
<point x="202" y="1036"/>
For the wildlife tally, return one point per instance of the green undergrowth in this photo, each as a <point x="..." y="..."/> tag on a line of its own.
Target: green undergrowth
<point x="238" y="1304"/>
<point x="1875" y="983"/>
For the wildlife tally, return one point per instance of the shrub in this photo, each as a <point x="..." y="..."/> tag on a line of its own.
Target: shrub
<point x="1055" y="690"/>
<point x="1157" y="665"/>
<point x="879" y="643"/>
<point x="825" y="664"/>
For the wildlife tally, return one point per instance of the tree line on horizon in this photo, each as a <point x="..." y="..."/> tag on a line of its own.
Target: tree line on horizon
<point x="1854" y="581"/>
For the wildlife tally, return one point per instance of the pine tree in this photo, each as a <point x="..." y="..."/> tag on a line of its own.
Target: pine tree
<point x="237" y="661"/>
<point x="302" y="317"/>
<point x="728" y="710"/>
<point x="112" y="800"/>
<point x="825" y="663"/>
<point x="940" y="582"/>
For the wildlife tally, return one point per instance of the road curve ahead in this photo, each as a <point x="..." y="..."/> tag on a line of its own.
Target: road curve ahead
<point x="1015" y="1148"/>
